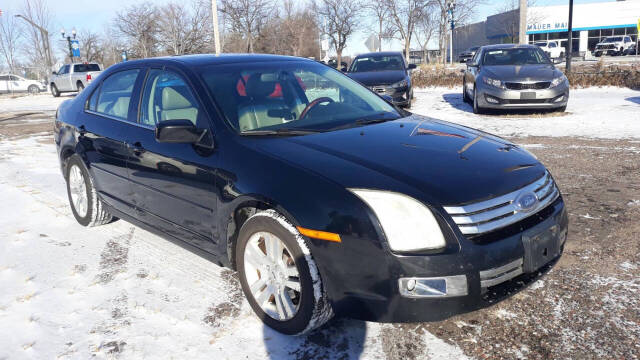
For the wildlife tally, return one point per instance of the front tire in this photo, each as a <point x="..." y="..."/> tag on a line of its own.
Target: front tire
<point x="33" y="89"/>
<point x="86" y="207"/>
<point x="54" y="90"/>
<point x="476" y="108"/>
<point x="279" y="276"/>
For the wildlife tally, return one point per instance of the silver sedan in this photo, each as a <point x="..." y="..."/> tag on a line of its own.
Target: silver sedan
<point x="511" y="76"/>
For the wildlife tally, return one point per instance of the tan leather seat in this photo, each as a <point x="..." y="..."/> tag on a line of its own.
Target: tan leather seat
<point x="253" y="113"/>
<point x="176" y="106"/>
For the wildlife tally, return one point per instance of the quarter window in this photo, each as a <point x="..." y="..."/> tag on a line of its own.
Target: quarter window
<point x="167" y="97"/>
<point x="115" y="94"/>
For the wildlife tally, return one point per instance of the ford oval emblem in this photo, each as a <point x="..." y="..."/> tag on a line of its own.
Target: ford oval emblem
<point x="526" y="201"/>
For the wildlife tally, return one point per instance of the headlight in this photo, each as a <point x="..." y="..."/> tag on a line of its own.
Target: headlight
<point x="407" y="223"/>
<point x="401" y="83"/>
<point x="557" y="81"/>
<point x="493" y="82"/>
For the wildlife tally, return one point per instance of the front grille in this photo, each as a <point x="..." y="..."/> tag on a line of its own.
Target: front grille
<point x="489" y="215"/>
<point x="528" y="86"/>
<point x="605" y="47"/>
<point x="524" y="101"/>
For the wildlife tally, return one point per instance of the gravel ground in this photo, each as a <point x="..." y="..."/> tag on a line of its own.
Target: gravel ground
<point x="586" y="307"/>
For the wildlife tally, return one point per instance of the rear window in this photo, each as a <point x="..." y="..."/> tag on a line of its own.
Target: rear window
<point x="86" y="67"/>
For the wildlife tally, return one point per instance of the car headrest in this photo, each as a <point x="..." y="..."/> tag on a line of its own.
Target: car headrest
<point x="257" y="88"/>
<point x="172" y="99"/>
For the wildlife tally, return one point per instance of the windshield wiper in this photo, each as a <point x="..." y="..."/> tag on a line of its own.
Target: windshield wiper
<point x="280" y="131"/>
<point x="361" y="122"/>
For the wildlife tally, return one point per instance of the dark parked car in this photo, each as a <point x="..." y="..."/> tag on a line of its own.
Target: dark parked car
<point x="509" y="76"/>
<point x="325" y="198"/>
<point x="468" y="54"/>
<point x="385" y="73"/>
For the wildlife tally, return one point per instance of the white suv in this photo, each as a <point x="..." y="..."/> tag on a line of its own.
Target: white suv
<point x="552" y="48"/>
<point x="15" y="83"/>
<point x="614" y="45"/>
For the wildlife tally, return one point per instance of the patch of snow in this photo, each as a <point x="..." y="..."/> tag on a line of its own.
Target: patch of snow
<point x="628" y="266"/>
<point x="41" y="102"/>
<point x="539" y="284"/>
<point x="634" y="203"/>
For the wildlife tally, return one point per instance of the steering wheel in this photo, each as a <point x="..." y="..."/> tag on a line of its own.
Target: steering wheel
<point x="314" y="103"/>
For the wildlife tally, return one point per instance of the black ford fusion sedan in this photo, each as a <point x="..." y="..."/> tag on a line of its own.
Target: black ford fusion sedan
<point x="385" y="73"/>
<point x="325" y="198"/>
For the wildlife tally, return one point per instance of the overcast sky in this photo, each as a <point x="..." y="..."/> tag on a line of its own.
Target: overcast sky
<point x="95" y="15"/>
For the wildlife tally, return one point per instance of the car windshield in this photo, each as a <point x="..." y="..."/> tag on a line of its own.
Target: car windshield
<point x="612" y="39"/>
<point x="515" y="56"/>
<point x="288" y="96"/>
<point x="377" y="63"/>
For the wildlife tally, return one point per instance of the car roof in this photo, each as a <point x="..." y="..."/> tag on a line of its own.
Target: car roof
<point x="211" y="59"/>
<point x="381" y="53"/>
<point x="508" y="46"/>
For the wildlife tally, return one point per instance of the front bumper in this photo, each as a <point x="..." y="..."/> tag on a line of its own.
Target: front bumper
<point x="400" y="96"/>
<point x="474" y="276"/>
<point x="490" y="97"/>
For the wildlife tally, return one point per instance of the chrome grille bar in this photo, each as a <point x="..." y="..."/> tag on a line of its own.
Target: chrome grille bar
<point x="501" y="211"/>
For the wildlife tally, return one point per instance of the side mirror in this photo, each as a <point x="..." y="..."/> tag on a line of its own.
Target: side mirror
<point x="411" y="66"/>
<point x="54" y="72"/>
<point x="178" y="132"/>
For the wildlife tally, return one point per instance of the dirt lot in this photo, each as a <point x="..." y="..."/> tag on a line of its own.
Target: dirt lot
<point x="587" y="307"/>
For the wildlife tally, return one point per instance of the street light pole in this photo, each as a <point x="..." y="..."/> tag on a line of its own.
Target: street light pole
<point x="451" y="6"/>
<point x="73" y="32"/>
<point x="45" y="41"/>
<point x="216" y="32"/>
<point x="522" y="29"/>
<point x="570" y="37"/>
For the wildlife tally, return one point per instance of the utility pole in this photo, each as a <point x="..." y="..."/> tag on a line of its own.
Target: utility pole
<point x="522" y="32"/>
<point x="45" y="42"/>
<point x="570" y="38"/>
<point x="451" y="5"/>
<point x="216" y="32"/>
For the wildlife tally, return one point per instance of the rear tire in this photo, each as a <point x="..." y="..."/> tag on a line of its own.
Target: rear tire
<point x="291" y="264"/>
<point x="85" y="204"/>
<point x="465" y="97"/>
<point x="80" y="86"/>
<point x="33" y="89"/>
<point x="54" y="90"/>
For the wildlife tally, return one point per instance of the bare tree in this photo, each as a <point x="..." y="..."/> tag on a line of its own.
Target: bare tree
<point x="10" y="39"/>
<point x="300" y="29"/>
<point x="425" y="30"/>
<point x="246" y="17"/>
<point x="378" y="10"/>
<point x="139" y="25"/>
<point x="403" y="16"/>
<point x="184" y="30"/>
<point x="90" y="47"/>
<point x="37" y="11"/>
<point x="338" y="19"/>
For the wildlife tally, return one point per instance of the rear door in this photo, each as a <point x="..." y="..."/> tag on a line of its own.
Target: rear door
<point x="110" y="114"/>
<point x="172" y="183"/>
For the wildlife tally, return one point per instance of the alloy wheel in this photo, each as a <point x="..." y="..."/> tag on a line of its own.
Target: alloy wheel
<point x="78" y="191"/>
<point x="272" y="276"/>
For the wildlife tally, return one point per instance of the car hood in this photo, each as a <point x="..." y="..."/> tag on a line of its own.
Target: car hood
<point x="371" y="78"/>
<point x="437" y="161"/>
<point x="543" y="72"/>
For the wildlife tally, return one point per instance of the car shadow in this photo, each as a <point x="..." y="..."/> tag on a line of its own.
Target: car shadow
<point x="339" y="339"/>
<point x="634" y="99"/>
<point x="455" y="100"/>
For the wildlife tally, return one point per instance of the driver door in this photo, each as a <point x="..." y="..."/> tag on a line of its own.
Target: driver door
<point x="173" y="184"/>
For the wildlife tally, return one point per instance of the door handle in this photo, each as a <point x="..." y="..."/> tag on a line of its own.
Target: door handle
<point x="137" y="148"/>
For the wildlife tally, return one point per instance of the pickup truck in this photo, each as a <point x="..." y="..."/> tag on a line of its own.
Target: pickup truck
<point x="552" y="47"/>
<point x="614" y="45"/>
<point x="73" y="77"/>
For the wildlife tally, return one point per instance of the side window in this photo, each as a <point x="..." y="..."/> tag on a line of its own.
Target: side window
<point x="78" y="68"/>
<point x="552" y="45"/>
<point x="167" y="96"/>
<point x="4" y="77"/>
<point x="92" y="104"/>
<point x="115" y="94"/>
<point x="13" y="78"/>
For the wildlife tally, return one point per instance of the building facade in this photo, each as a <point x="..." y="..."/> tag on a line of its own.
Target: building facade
<point x="591" y="23"/>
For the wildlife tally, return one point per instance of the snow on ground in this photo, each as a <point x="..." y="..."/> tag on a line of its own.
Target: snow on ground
<point x="606" y="113"/>
<point x="69" y="292"/>
<point x="41" y="102"/>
